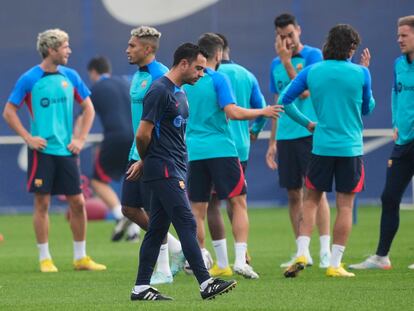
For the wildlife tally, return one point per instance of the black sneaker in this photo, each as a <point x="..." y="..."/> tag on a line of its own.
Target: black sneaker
<point x="120" y="228"/>
<point x="149" y="294"/>
<point x="217" y="287"/>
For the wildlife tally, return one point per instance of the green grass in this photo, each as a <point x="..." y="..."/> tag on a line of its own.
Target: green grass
<point x="22" y="287"/>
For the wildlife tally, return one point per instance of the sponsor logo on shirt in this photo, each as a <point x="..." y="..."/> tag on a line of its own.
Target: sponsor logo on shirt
<point x="178" y="121"/>
<point x="402" y="87"/>
<point x="45" y="102"/>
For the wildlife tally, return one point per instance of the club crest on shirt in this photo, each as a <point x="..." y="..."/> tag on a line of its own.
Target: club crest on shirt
<point x="389" y="163"/>
<point x="181" y="183"/>
<point x="144" y="83"/>
<point x="64" y="84"/>
<point x="299" y="66"/>
<point x="38" y="182"/>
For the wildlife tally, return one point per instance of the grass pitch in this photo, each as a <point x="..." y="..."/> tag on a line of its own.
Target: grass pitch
<point x="271" y="242"/>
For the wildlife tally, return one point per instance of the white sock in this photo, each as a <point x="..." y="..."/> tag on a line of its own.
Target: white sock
<point x="44" y="251"/>
<point x="205" y="283"/>
<point x="174" y="245"/>
<point x="302" y="243"/>
<point x="79" y="249"/>
<point x="133" y="229"/>
<point x="324" y="244"/>
<point x="163" y="262"/>
<point x="337" y="253"/>
<point x="240" y="252"/>
<point x="140" y="288"/>
<point x="220" y="247"/>
<point x="117" y="212"/>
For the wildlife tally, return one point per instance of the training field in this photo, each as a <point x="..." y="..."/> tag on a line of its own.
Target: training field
<point x="22" y="287"/>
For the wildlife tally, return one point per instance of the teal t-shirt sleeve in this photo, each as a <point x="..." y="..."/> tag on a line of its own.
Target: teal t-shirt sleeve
<point x="272" y="78"/>
<point x="223" y="89"/>
<point x="257" y="101"/>
<point x="20" y="90"/>
<point x="368" y="102"/>
<point x="294" y="113"/>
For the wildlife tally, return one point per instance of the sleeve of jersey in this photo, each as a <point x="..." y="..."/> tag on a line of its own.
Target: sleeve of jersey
<point x="20" y="90"/>
<point x="81" y="90"/>
<point x="257" y="101"/>
<point x="153" y="106"/>
<point x="394" y="100"/>
<point x="158" y="72"/>
<point x="272" y="85"/>
<point x="296" y="87"/>
<point x="314" y="56"/>
<point x="368" y="102"/>
<point x="224" y="91"/>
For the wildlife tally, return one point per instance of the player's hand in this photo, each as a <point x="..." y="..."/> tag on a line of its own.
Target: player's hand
<point x="272" y="111"/>
<point x="282" y="50"/>
<point x="76" y="145"/>
<point x="304" y="95"/>
<point x="311" y="127"/>
<point x="134" y="171"/>
<point x="36" y="143"/>
<point x="365" y="58"/>
<point x="395" y="134"/>
<point x="270" y="156"/>
<point x="253" y="136"/>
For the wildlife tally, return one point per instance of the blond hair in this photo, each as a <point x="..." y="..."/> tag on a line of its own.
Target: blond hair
<point x="51" y="38"/>
<point x="149" y="35"/>
<point x="406" y="21"/>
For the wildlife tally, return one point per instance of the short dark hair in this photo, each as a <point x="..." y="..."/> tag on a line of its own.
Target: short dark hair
<point x="100" y="64"/>
<point x="341" y="39"/>
<point x="211" y="43"/>
<point x="285" y="19"/>
<point x="188" y="51"/>
<point x="225" y="41"/>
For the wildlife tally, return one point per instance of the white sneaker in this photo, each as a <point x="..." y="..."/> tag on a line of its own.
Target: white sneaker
<point x="246" y="271"/>
<point x="373" y="262"/>
<point x="411" y="266"/>
<point x="324" y="260"/>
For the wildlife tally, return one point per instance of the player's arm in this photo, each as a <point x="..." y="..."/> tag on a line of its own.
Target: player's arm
<point x="235" y="112"/>
<point x="290" y="93"/>
<point x="84" y="126"/>
<point x="394" y="107"/>
<point x="272" y="147"/>
<point x="11" y="117"/>
<point x="257" y="101"/>
<point x="368" y="102"/>
<point x="143" y="137"/>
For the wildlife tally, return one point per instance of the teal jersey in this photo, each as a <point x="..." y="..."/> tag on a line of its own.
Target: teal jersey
<point x="140" y="84"/>
<point x="248" y="95"/>
<point x="279" y="79"/>
<point x="49" y="98"/>
<point x="208" y="133"/>
<point x="341" y="94"/>
<point x="403" y="100"/>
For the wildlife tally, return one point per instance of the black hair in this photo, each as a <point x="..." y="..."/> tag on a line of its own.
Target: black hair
<point x="341" y="39"/>
<point x="188" y="51"/>
<point x="211" y="43"/>
<point x="100" y="64"/>
<point x="284" y="20"/>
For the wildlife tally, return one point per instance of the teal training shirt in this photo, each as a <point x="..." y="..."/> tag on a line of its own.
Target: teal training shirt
<point x="248" y="95"/>
<point x="279" y="79"/>
<point x="403" y="100"/>
<point x="341" y="94"/>
<point x="49" y="98"/>
<point x="140" y="84"/>
<point x="208" y="132"/>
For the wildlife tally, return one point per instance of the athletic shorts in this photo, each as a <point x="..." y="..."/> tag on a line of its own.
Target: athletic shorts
<point x="225" y="173"/>
<point x="293" y="157"/>
<point x="111" y="158"/>
<point x="348" y="172"/>
<point x="53" y="174"/>
<point x="133" y="192"/>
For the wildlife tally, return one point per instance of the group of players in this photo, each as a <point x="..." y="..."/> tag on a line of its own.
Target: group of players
<point x="323" y="95"/>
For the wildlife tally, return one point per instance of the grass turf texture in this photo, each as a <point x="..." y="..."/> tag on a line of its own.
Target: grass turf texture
<point x="22" y="287"/>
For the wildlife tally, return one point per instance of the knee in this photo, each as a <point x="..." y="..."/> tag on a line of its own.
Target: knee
<point x="77" y="205"/>
<point x="42" y="205"/>
<point x="390" y="200"/>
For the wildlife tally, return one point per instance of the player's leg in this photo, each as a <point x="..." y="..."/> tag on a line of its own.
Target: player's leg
<point x="323" y="223"/>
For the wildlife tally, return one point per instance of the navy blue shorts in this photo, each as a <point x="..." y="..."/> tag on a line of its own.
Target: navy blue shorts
<point x="53" y="174"/>
<point x="111" y="158"/>
<point x="133" y="192"/>
<point x="226" y="174"/>
<point x="293" y="157"/>
<point x="348" y="172"/>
